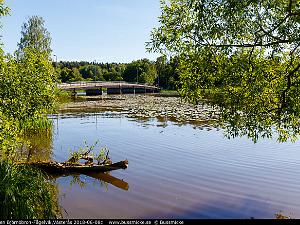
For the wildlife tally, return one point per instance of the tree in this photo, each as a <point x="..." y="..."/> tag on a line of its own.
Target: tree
<point x="26" y="92"/>
<point x="91" y="72"/>
<point x="67" y="74"/>
<point x="141" y="71"/>
<point x="27" y="86"/>
<point x="27" y="80"/>
<point x="35" y="36"/>
<point x="242" y="56"/>
<point x="167" y="72"/>
<point x="4" y="10"/>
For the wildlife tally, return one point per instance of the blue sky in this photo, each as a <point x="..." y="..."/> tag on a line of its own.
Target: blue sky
<point x="101" y="30"/>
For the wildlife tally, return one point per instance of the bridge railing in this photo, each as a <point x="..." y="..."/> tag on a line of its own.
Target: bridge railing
<point x="84" y="84"/>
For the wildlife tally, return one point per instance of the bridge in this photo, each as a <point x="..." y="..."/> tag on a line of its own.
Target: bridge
<point x="113" y="87"/>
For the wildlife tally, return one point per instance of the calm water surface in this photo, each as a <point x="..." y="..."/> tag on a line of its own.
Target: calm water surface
<point x="176" y="171"/>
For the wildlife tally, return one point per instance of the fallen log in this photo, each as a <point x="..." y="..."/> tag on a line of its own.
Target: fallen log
<point x="65" y="168"/>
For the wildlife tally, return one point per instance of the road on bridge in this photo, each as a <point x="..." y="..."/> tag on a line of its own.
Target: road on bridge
<point x="104" y="84"/>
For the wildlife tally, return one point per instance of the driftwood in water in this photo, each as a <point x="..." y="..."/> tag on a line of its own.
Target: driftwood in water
<point x="64" y="168"/>
<point x="89" y="168"/>
<point x="72" y="165"/>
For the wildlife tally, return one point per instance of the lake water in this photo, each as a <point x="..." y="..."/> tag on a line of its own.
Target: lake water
<point x="176" y="171"/>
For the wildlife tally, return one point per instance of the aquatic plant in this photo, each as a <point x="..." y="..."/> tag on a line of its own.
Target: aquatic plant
<point x="87" y="154"/>
<point x="36" y="124"/>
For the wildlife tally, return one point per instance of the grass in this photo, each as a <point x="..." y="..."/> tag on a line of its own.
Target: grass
<point x="36" y="124"/>
<point x="25" y="193"/>
<point x="168" y="91"/>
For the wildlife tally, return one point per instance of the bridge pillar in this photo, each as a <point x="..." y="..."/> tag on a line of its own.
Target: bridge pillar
<point x="139" y="90"/>
<point x="149" y="90"/>
<point x="128" y="90"/>
<point x="91" y="92"/>
<point x="113" y="91"/>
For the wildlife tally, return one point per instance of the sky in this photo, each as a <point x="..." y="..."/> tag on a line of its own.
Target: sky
<point x="87" y="30"/>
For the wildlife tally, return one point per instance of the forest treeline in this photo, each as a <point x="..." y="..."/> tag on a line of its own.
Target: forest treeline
<point x="161" y="72"/>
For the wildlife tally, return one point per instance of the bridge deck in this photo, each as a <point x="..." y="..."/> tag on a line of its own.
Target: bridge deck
<point x="103" y="84"/>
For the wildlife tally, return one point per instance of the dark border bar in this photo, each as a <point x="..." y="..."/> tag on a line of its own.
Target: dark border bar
<point x="145" y="221"/>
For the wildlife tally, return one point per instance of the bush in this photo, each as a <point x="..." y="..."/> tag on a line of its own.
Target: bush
<point x="25" y="193"/>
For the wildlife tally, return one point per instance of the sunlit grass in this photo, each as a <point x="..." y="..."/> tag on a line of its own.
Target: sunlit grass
<point x="36" y="124"/>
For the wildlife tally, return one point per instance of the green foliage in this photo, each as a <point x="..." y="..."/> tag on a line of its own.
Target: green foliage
<point x="168" y="76"/>
<point x="9" y="137"/>
<point x="162" y="72"/>
<point x="27" y="86"/>
<point x="91" y="71"/>
<point x="79" y="71"/>
<point x="4" y="10"/>
<point x="36" y="124"/>
<point x="141" y="71"/>
<point x="67" y="74"/>
<point x="62" y="96"/>
<point x="35" y="36"/>
<point x="25" y="193"/>
<point x="241" y="56"/>
<point x="102" y="155"/>
<point x="76" y="155"/>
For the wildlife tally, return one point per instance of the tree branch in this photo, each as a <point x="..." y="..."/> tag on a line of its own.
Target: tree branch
<point x="248" y="45"/>
<point x="290" y="6"/>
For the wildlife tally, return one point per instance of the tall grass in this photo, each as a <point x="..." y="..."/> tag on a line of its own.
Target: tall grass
<point x="25" y="193"/>
<point x="36" y="124"/>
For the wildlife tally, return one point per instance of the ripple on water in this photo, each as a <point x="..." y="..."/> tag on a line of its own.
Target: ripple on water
<point x="179" y="172"/>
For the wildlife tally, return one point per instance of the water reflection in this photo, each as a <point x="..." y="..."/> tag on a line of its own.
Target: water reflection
<point x="103" y="178"/>
<point x="38" y="146"/>
<point x="159" y="121"/>
<point x="179" y="170"/>
<point x="248" y="117"/>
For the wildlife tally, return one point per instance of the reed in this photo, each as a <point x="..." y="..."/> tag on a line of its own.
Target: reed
<point x="26" y="193"/>
<point x="36" y="124"/>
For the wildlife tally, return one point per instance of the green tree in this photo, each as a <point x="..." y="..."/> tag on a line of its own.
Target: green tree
<point x="9" y="140"/>
<point x="35" y="36"/>
<point x="91" y="72"/>
<point x="26" y="92"/>
<point x="27" y="86"/>
<point x="242" y="56"/>
<point x="4" y="10"/>
<point x="142" y="71"/>
<point x="67" y="74"/>
<point x="167" y="72"/>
